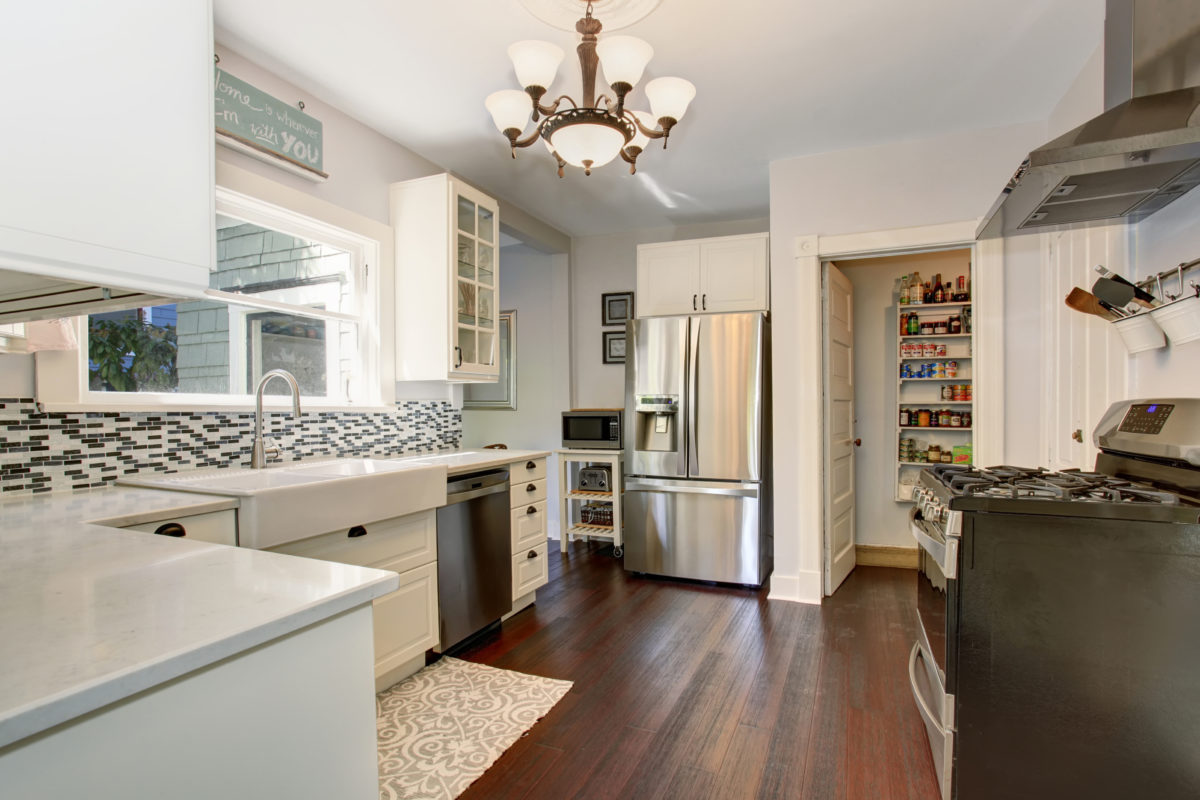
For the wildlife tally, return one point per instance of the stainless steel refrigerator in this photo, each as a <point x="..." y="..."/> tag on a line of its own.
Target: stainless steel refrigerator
<point x="697" y="447"/>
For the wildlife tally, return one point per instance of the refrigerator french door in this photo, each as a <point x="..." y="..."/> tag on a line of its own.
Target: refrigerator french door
<point x="697" y="411"/>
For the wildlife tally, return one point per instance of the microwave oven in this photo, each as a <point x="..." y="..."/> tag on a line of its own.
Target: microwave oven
<point x="592" y="429"/>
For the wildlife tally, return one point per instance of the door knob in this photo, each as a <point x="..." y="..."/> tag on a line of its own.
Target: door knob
<point x="858" y="442"/>
<point x="1077" y="435"/>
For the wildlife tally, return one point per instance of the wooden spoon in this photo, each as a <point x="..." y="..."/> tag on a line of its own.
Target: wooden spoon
<point x="1088" y="303"/>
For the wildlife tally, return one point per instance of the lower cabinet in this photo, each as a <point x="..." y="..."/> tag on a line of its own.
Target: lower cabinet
<point x="218" y="527"/>
<point x="406" y="621"/>
<point x="530" y="568"/>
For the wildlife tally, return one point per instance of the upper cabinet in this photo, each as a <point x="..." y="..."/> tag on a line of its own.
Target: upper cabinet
<point x="729" y="273"/>
<point x="107" y="149"/>
<point x="447" y="281"/>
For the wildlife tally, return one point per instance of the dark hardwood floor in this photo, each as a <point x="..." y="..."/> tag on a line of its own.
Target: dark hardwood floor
<point x="695" y="691"/>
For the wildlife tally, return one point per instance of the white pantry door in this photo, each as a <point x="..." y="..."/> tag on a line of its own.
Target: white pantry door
<point x="839" y="427"/>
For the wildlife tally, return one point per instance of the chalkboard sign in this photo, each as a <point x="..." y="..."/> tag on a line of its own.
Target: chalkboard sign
<point x="259" y="121"/>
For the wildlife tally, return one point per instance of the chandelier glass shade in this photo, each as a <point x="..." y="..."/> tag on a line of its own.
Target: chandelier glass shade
<point x="598" y="129"/>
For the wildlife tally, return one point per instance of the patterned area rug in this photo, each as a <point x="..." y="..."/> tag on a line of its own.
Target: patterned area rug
<point x="442" y="727"/>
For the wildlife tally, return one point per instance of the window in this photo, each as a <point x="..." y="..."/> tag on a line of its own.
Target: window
<point x="288" y="292"/>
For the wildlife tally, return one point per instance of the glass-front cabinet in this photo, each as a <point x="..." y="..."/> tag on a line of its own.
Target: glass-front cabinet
<point x="442" y="221"/>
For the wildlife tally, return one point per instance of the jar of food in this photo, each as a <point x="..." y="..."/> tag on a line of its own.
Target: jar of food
<point x="951" y="369"/>
<point x="941" y="350"/>
<point x="955" y="419"/>
<point x="934" y="454"/>
<point x="966" y="419"/>
<point x="947" y="457"/>
<point x="956" y="324"/>
<point x="940" y="328"/>
<point x="944" y="418"/>
<point x="947" y="392"/>
<point x="923" y="417"/>
<point x="905" y="418"/>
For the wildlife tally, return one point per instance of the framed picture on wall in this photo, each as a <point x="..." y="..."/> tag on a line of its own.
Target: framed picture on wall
<point x="502" y="393"/>
<point x="618" y="308"/>
<point x="614" y="347"/>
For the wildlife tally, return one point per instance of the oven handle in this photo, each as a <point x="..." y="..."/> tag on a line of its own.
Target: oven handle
<point x="912" y="679"/>
<point x="944" y="553"/>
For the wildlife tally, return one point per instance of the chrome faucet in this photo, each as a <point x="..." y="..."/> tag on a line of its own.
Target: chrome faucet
<point x="259" y="450"/>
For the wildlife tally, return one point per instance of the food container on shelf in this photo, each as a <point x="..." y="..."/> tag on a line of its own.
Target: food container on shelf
<point x="1179" y="320"/>
<point x="1140" y="333"/>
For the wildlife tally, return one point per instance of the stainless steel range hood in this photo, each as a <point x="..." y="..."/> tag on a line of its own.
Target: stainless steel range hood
<point x="1140" y="154"/>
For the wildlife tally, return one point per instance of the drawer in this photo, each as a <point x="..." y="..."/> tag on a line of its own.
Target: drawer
<point x="532" y="470"/>
<point x="531" y="569"/>
<point x="406" y="621"/>
<point x="401" y="542"/>
<point x="218" y="527"/>
<point x="530" y="492"/>
<point x="528" y="526"/>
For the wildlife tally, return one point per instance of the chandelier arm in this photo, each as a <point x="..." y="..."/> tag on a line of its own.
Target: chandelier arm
<point x="553" y="107"/>
<point x="528" y="140"/>
<point x="651" y="133"/>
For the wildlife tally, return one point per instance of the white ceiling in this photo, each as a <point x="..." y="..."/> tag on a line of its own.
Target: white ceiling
<point x="774" y="80"/>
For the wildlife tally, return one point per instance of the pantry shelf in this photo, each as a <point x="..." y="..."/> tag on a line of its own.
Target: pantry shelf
<point x="935" y="336"/>
<point x="959" y="379"/>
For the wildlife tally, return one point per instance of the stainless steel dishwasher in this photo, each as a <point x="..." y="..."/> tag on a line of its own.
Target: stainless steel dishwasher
<point x="474" y="555"/>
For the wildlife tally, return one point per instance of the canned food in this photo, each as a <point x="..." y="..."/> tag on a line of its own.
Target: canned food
<point x="939" y="370"/>
<point x="951" y="369"/>
<point x="960" y="392"/>
<point x="941" y="350"/>
<point x="929" y="349"/>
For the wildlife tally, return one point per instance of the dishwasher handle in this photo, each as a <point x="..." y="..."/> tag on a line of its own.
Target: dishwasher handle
<point x="460" y="489"/>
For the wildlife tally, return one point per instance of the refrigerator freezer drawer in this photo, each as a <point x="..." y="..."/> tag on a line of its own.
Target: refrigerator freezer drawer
<point x="709" y="533"/>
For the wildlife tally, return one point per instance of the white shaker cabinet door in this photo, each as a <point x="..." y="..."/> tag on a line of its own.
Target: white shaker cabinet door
<point x="107" y="144"/>
<point x="733" y="274"/>
<point x="668" y="279"/>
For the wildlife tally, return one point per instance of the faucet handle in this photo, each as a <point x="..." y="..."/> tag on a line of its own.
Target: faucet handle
<point x="271" y="451"/>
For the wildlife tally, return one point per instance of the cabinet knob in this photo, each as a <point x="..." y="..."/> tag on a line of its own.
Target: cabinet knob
<point x="858" y="442"/>
<point x="356" y="531"/>
<point x="531" y="488"/>
<point x="531" y="554"/>
<point x="531" y="510"/>
<point x="171" y="529"/>
<point x="530" y="465"/>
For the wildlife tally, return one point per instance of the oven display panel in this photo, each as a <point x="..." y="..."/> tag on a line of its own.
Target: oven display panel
<point x="1146" y="418"/>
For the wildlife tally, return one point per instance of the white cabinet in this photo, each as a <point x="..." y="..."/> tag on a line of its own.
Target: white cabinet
<point x="218" y="527"/>
<point x="406" y="620"/>
<point x="107" y="147"/>
<point x="713" y="276"/>
<point x="447" y="281"/>
<point x="527" y="494"/>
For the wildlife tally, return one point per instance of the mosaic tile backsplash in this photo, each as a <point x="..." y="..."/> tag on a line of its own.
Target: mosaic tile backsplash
<point x="77" y="450"/>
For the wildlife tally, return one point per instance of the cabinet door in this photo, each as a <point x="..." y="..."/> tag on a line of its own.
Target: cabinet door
<point x="733" y="275"/>
<point x="668" y="280"/>
<point x="528" y="527"/>
<point x="108" y="143"/>
<point x="406" y="621"/>
<point x="474" y="285"/>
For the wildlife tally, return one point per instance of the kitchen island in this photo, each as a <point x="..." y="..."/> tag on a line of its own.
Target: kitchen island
<point x="139" y="665"/>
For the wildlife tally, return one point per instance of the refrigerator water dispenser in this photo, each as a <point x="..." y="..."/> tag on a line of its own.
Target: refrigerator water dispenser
<point x="655" y="429"/>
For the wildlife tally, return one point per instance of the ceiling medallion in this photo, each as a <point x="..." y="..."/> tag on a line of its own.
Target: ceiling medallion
<point x="594" y="132"/>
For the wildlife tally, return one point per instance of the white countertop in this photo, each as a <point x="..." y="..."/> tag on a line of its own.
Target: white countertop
<point x="90" y="615"/>
<point x="459" y="461"/>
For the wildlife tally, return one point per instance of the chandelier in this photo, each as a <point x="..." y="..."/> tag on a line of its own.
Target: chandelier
<point x="594" y="132"/>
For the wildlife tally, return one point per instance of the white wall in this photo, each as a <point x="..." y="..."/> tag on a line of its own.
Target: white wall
<point x="536" y="286"/>
<point x="602" y="264"/>
<point x="1170" y="237"/>
<point x="879" y="519"/>
<point x="904" y="185"/>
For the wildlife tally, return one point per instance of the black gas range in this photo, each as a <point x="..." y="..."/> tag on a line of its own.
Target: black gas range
<point x="1060" y="617"/>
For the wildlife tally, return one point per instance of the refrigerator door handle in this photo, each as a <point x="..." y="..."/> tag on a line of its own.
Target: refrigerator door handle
<point x="692" y="487"/>
<point x="693" y="388"/>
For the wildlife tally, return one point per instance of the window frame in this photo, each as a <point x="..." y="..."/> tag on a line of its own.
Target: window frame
<point x="62" y="378"/>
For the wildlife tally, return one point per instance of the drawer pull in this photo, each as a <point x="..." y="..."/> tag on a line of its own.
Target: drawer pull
<point x="171" y="529"/>
<point x="531" y="510"/>
<point x="531" y="488"/>
<point x="356" y="531"/>
<point x="530" y="465"/>
<point x="531" y="554"/>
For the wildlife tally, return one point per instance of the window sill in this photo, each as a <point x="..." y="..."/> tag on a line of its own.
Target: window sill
<point x="192" y="408"/>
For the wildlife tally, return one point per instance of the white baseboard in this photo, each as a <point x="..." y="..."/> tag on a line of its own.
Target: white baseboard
<point x="803" y="588"/>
